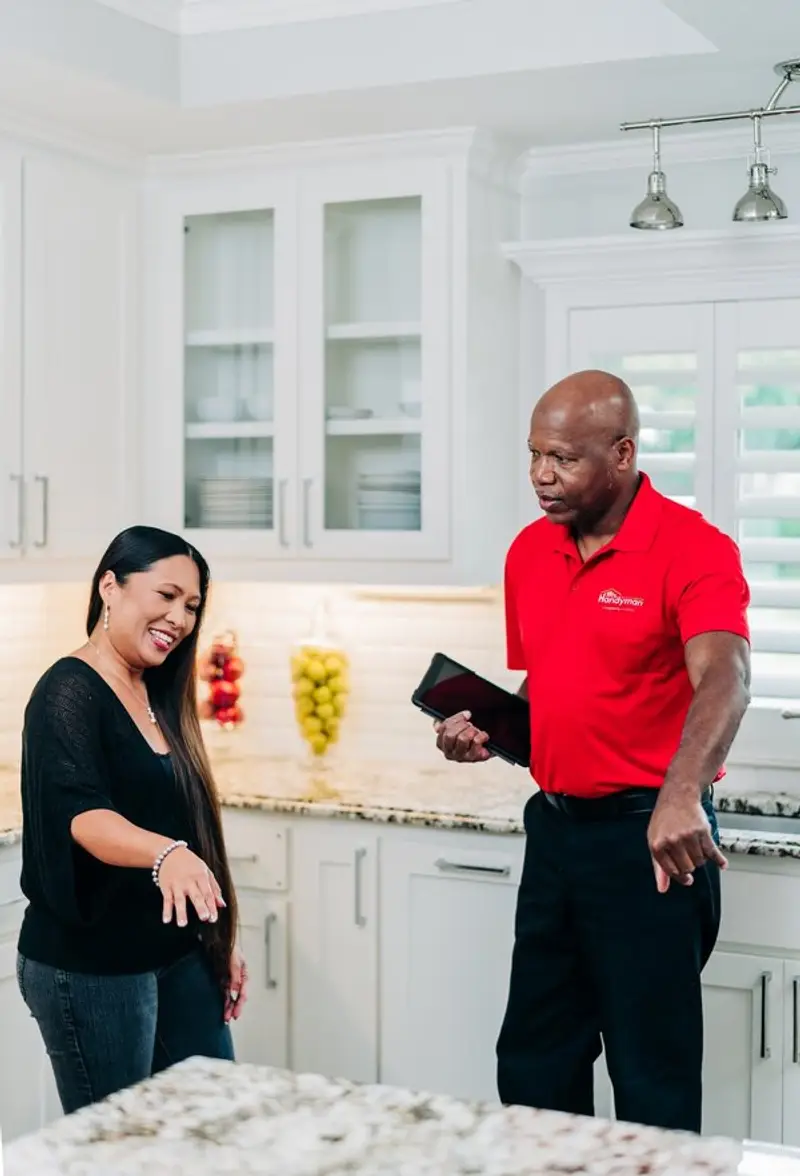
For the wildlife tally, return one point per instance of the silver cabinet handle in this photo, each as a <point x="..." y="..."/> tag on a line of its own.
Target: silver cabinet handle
<point x="790" y="714"/>
<point x="307" y="484"/>
<point x="18" y="481"/>
<point x="245" y="857"/>
<point x="269" y="923"/>
<point x="11" y="902"/>
<point x="282" y="488"/>
<point x="466" y="868"/>
<point x="44" y="482"/>
<point x="360" y="918"/>
<point x="764" y="1048"/>
<point x="796" y="1020"/>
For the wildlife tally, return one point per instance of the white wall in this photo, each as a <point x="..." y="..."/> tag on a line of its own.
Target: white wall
<point x="589" y="203"/>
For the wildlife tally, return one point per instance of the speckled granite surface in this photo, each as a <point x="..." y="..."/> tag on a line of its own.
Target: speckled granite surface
<point x="210" y="1118"/>
<point x="486" y="798"/>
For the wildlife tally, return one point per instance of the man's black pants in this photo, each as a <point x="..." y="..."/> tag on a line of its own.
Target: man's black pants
<point x="600" y="954"/>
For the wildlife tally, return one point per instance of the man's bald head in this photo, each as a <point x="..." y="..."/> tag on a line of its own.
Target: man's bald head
<point x="592" y="403"/>
<point x="583" y="438"/>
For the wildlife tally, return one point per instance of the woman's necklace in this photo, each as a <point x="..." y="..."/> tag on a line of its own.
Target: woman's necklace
<point x="145" y="702"/>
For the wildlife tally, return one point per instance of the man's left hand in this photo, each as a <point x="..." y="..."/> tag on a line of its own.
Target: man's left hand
<point x="679" y="838"/>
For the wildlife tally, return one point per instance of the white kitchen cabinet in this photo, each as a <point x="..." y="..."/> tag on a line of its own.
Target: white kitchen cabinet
<point x="78" y="394"/>
<point x="334" y="972"/>
<point x="743" y="1064"/>
<point x="331" y="350"/>
<point x="68" y="277"/>
<point x="12" y="487"/>
<point x="447" y="929"/>
<point x="262" y="1033"/>
<point x="24" y="1066"/>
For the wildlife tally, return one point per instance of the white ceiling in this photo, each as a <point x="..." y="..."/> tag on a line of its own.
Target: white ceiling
<point x="190" y="17"/>
<point x="532" y="72"/>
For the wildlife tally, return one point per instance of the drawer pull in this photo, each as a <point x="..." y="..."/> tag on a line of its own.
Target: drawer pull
<point x="11" y="902"/>
<point x="245" y="857"/>
<point x="765" y="1051"/>
<point x="448" y="867"/>
<point x="360" y="918"/>
<point x="269" y="923"/>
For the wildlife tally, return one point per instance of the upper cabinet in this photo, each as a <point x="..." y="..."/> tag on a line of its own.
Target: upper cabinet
<point x="68" y="346"/>
<point x="310" y="403"/>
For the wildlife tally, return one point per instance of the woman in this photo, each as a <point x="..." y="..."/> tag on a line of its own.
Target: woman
<point x="127" y="956"/>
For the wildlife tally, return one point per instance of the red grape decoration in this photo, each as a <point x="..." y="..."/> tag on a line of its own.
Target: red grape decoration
<point x="221" y="667"/>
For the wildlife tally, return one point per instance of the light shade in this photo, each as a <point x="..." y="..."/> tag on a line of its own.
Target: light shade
<point x="656" y="211"/>
<point x="759" y="202"/>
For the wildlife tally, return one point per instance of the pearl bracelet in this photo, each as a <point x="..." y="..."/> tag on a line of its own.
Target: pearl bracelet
<point x="159" y="862"/>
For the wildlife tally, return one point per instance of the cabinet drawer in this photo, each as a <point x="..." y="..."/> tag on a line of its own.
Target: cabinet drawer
<point x="761" y="910"/>
<point x="257" y="850"/>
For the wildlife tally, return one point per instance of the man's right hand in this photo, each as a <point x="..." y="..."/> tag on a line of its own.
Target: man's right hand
<point x="458" y="740"/>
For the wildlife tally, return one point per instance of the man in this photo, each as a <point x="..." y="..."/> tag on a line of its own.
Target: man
<point x="628" y="613"/>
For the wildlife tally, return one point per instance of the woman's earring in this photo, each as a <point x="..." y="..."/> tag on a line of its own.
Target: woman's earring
<point x="105" y="618"/>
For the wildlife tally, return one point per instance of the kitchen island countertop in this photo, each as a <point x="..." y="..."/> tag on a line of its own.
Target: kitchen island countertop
<point x="211" y="1118"/>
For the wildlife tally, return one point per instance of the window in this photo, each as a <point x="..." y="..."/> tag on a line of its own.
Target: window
<point x="718" y="387"/>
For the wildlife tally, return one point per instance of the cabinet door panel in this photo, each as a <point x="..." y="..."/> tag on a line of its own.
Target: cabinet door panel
<point x="11" y="476"/>
<point x="743" y="1065"/>
<point x="79" y="245"/>
<point x="334" y="951"/>
<point x="261" y="1035"/>
<point x="375" y="367"/>
<point x="447" y="925"/>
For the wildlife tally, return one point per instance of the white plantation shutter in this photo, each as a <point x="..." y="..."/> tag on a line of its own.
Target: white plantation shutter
<point x="718" y="387"/>
<point x="665" y="354"/>
<point x="757" y="476"/>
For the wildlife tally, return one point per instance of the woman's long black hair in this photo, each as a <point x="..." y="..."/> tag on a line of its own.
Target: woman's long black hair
<point x="172" y="688"/>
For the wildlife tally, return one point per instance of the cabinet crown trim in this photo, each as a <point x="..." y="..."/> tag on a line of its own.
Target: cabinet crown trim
<point x="727" y="253"/>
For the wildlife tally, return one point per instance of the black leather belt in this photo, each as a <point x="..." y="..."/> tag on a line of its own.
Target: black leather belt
<point x="616" y="804"/>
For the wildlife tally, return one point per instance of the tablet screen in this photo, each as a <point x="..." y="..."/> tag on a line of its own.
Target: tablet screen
<point x="448" y="688"/>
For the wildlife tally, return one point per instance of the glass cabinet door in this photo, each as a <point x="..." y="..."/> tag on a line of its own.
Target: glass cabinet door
<point x="380" y="387"/>
<point x="229" y="391"/>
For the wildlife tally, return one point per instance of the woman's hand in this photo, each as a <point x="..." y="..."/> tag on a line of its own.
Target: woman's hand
<point x="183" y="875"/>
<point x="236" y="994"/>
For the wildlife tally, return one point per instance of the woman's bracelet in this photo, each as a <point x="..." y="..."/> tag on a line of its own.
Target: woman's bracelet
<point x="159" y="862"/>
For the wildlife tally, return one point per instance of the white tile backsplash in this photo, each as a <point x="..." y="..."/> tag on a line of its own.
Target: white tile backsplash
<point x="388" y="641"/>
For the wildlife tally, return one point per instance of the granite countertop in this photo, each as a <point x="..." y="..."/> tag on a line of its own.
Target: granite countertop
<point x="487" y="798"/>
<point x="211" y="1118"/>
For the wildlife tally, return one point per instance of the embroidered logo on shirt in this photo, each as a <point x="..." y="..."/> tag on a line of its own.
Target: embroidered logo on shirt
<point x="614" y="601"/>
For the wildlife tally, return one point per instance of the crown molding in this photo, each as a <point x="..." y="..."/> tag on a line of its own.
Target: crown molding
<point x="27" y="131"/>
<point x="215" y="16"/>
<point x="633" y="150"/>
<point x="741" y="251"/>
<point x="456" y="142"/>
<point x="164" y="14"/>
<point x="191" y="17"/>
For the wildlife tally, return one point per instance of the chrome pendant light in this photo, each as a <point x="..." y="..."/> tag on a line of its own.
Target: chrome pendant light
<point x="656" y="211"/>
<point x="759" y="202"/>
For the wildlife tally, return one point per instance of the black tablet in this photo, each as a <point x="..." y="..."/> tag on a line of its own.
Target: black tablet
<point x="448" y="688"/>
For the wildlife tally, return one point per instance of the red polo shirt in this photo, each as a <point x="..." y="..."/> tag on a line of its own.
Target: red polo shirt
<point x="602" y="641"/>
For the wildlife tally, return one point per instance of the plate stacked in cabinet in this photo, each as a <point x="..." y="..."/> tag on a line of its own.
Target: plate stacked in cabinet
<point x="390" y="501"/>
<point x="236" y="503"/>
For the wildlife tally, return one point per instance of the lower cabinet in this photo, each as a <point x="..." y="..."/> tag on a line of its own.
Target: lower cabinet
<point x="334" y="967"/>
<point x="26" y="1084"/>
<point x="262" y="1033"/>
<point x="744" y="1062"/>
<point x="447" y="928"/>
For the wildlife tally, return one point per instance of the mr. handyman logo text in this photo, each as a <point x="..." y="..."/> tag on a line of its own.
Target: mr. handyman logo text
<point x="615" y="601"/>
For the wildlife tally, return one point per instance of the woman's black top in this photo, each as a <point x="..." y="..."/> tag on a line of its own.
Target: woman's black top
<point x="81" y="750"/>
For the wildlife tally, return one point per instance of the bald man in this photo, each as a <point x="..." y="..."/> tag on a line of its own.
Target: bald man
<point x="627" y="612"/>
